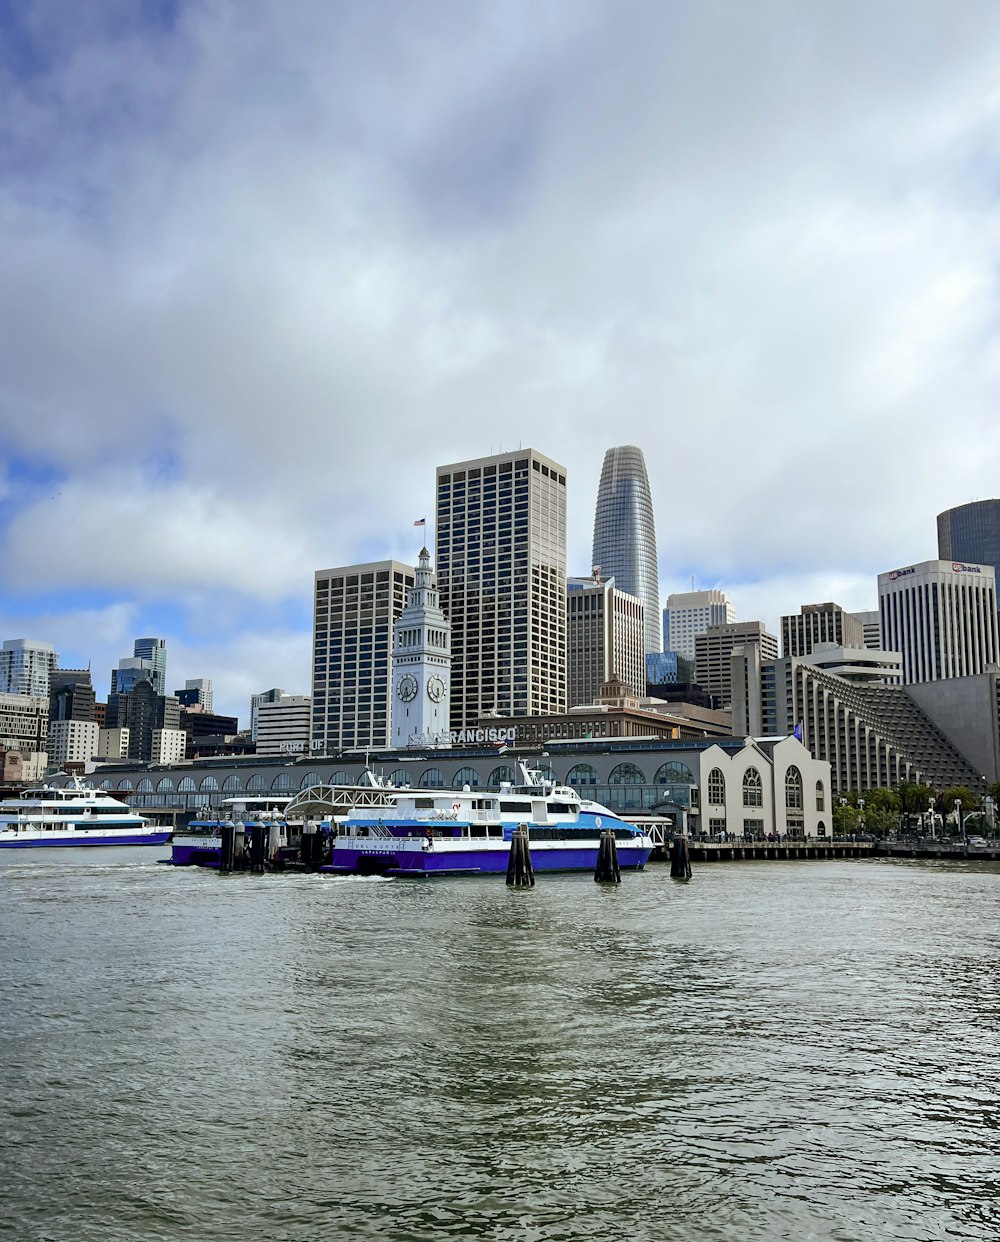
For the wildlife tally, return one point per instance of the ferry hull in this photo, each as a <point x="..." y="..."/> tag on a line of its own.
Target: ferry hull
<point x="404" y="862"/>
<point x="58" y="840"/>
<point x="197" y="853"/>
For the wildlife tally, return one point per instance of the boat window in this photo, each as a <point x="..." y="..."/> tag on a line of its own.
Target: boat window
<point x="516" y="807"/>
<point x="423" y="804"/>
<point x="561" y="808"/>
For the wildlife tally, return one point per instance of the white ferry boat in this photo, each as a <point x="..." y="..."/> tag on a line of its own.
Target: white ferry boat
<point x="75" y="815"/>
<point x="468" y="832"/>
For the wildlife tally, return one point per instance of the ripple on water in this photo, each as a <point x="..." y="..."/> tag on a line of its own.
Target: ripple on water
<point x="801" y="1051"/>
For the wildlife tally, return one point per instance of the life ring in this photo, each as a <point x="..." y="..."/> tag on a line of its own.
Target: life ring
<point x="597" y="821"/>
<point x="456" y="806"/>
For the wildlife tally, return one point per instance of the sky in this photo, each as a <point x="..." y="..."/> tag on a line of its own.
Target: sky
<point x="264" y="265"/>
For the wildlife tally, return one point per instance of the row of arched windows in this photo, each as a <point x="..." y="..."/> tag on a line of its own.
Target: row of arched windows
<point x="581" y="776"/>
<point x="753" y="789"/>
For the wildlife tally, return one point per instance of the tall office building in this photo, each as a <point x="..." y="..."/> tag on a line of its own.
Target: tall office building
<point x="870" y="628"/>
<point x="257" y="701"/>
<point x="501" y="569"/>
<point x="971" y="534"/>
<point x="605" y="639"/>
<point x="154" y="650"/>
<point x="714" y="650"/>
<point x="942" y="617"/>
<point x="283" y="726"/>
<point x="625" y="533"/>
<point x="356" y="607"/>
<point x="26" y="667"/>
<point x="819" y="623"/>
<point x="197" y="692"/>
<point x="142" y="711"/>
<point x="71" y="694"/>
<point x="691" y="612"/>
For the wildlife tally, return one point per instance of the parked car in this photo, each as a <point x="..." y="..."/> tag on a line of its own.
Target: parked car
<point x="977" y="842"/>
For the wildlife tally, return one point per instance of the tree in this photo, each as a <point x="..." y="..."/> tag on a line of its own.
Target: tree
<point x="845" y="819"/>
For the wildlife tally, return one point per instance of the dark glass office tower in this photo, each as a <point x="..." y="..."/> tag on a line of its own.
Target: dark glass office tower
<point x="971" y="534"/>
<point x="625" y="535"/>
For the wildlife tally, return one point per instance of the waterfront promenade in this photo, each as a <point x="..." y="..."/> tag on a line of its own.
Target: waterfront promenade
<point x="838" y="847"/>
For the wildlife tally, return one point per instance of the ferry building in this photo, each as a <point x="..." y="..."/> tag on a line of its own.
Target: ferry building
<point x="741" y="786"/>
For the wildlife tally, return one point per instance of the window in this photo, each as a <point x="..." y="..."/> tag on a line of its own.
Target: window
<point x="432" y="778"/>
<point x="674" y="774"/>
<point x="820" y="797"/>
<point x="716" y="788"/>
<point x="400" y="779"/>
<point x="166" y="785"/>
<point x="340" y="777"/>
<point x="498" y="775"/>
<point x="231" y="783"/>
<point x="581" y="774"/>
<point x="626" y="774"/>
<point x="187" y="785"/>
<point x="793" y="789"/>
<point x="310" y="778"/>
<point x="256" y="782"/>
<point x="467" y="776"/>
<point x="209" y="783"/>
<point x="753" y="792"/>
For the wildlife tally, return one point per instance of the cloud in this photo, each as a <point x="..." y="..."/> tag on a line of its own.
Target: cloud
<point x="265" y="269"/>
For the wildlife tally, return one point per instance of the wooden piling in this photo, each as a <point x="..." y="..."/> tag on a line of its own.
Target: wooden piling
<point x="228" y="857"/>
<point x="258" y="846"/>
<point x="520" y="873"/>
<point x="680" y="863"/>
<point x="607" y="870"/>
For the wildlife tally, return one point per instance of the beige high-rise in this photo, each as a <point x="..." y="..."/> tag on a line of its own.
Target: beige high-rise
<point x="501" y="570"/>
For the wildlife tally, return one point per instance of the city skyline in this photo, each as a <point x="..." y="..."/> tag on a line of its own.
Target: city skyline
<point x="769" y="264"/>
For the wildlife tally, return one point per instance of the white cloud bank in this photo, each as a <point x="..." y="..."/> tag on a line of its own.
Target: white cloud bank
<point x="265" y="266"/>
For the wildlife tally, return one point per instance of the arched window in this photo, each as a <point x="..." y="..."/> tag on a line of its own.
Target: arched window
<point x="126" y="784"/>
<point x="498" y="775"/>
<point x="310" y="778"/>
<point x="793" y="789"/>
<point x="256" y="782"/>
<point x="626" y="774"/>
<point x="400" y="779"/>
<point x="716" y="788"/>
<point x="166" y="785"/>
<point x="674" y="774"/>
<point x="753" y="790"/>
<point x="581" y="774"/>
<point x="432" y="779"/>
<point x="545" y="772"/>
<point x="283" y="781"/>
<point x="209" y="783"/>
<point x="144" y="786"/>
<point x="187" y="785"/>
<point x="231" y="783"/>
<point x="340" y="777"/>
<point x="106" y="784"/>
<point x="467" y="776"/>
<point x="820" y="797"/>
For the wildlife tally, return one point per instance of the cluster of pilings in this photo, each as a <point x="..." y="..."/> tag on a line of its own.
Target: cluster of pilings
<point x="521" y="873"/>
<point x="249" y="847"/>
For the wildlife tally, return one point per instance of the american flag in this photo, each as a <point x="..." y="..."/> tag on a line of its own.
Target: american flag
<point x="420" y="522"/>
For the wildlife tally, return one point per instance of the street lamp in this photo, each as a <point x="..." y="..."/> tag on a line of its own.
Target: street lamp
<point x="958" y="818"/>
<point x="931" y="802"/>
<point x="861" y="821"/>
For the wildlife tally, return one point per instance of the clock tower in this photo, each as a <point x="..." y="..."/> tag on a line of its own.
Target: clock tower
<point x="421" y="665"/>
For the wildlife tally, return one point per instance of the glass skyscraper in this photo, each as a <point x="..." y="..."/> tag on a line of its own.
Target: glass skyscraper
<point x="971" y="533"/>
<point x="625" y="535"/>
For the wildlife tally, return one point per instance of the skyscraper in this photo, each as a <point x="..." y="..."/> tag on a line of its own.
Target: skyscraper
<point x="155" y="651"/>
<point x="26" y="667"/>
<point x="691" y="612"/>
<point x="971" y="533"/>
<point x="501" y="569"/>
<point x="625" y="534"/>
<point x="355" y="609"/>
<point x="942" y="617"/>
<point x="605" y="639"/>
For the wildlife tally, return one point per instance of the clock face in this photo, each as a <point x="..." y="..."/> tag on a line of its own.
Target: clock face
<point x="407" y="688"/>
<point x="435" y="689"/>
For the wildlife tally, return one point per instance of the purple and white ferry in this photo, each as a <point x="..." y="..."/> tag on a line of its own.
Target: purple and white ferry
<point x="74" y="815"/>
<point x="442" y="832"/>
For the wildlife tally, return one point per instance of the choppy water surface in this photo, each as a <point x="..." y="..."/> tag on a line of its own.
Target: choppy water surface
<point x="802" y="1050"/>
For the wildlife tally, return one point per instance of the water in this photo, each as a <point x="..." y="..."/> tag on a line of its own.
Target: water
<point x="803" y="1051"/>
